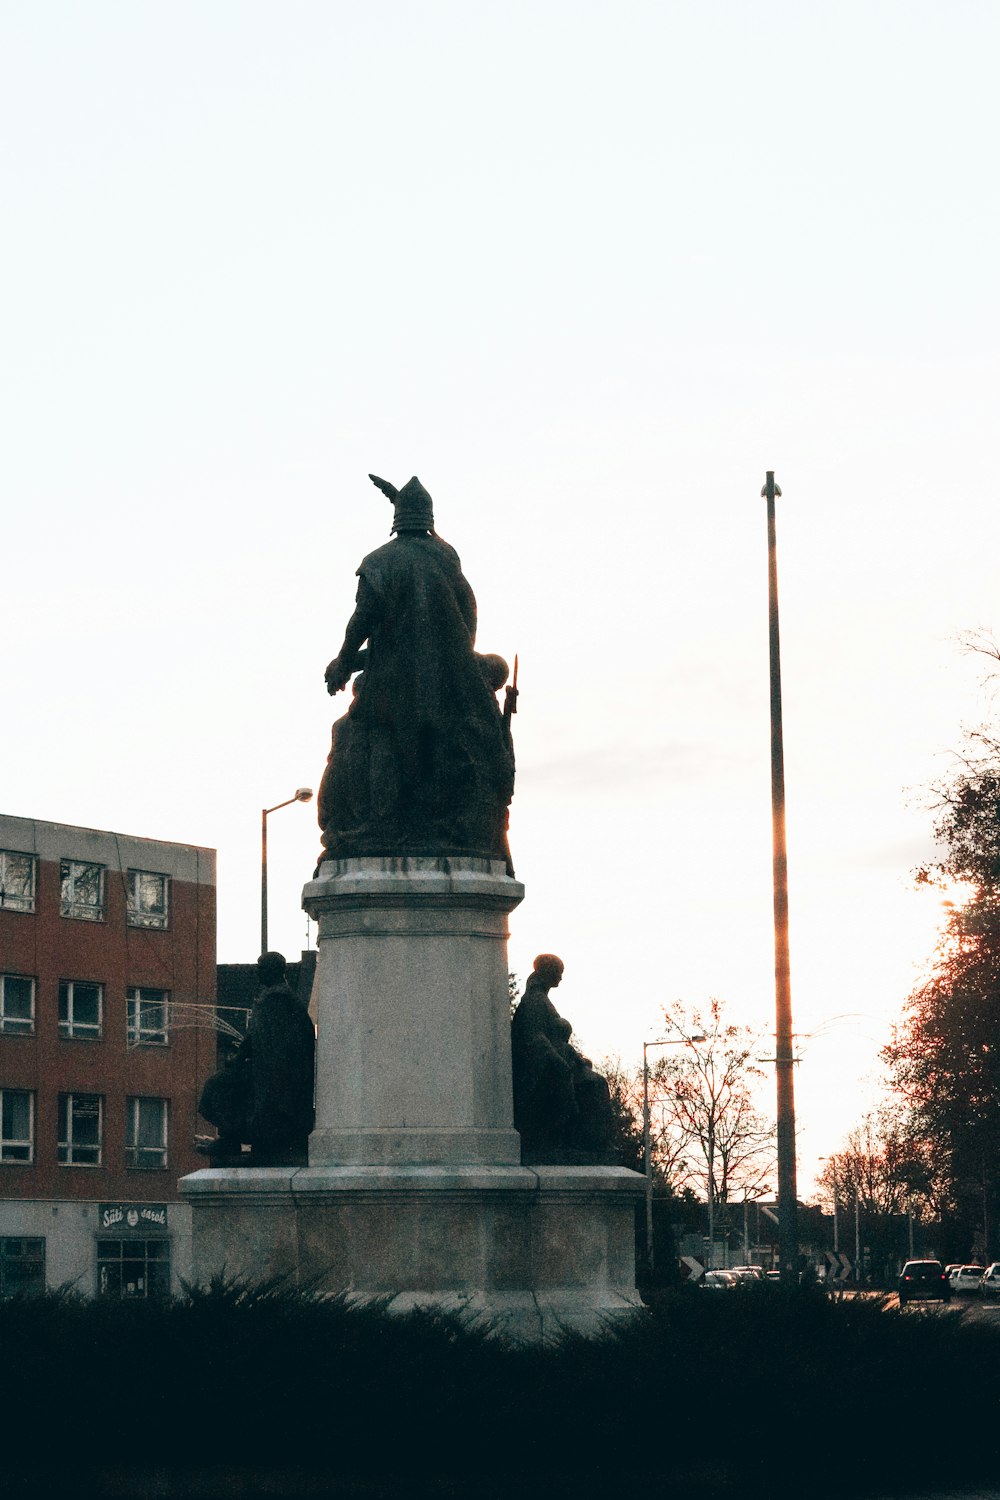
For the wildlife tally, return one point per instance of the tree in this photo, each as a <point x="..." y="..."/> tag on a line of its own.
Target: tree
<point x="627" y="1111"/>
<point x="705" y="1128"/>
<point x="944" y="1055"/>
<point x="883" y="1173"/>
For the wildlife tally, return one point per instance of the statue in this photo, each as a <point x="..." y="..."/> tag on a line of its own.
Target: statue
<point x="562" y="1105"/>
<point x="264" y="1094"/>
<point x="422" y="762"/>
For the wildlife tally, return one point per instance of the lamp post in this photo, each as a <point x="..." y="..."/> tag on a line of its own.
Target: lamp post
<point x="747" y="1200"/>
<point x="784" y="1058"/>
<point x="303" y="794"/>
<point x="647" y="1159"/>
<point x="833" y="1171"/>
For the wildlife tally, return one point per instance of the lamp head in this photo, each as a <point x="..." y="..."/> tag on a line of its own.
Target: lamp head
<point x="303" y="794"/>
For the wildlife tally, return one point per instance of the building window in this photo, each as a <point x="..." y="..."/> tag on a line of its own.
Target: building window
<point x="17" y="1004"/>
<point x="133" y="1268"/>
<point x="17" y="881"/>
<point x="80" y="1132"/>
<point x="148" y="1016"/>
<point x="17" y="1125"/>
<point x="81" y="1008"/>
<point x="22" y="1266"/>
<point x="82" y="890"/>
<point x="148" y="899"/>
<point x="146" y="1133"/>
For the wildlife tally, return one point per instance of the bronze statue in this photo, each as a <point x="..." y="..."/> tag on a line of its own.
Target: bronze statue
<point x="562" y="1107"/>
<point x="422" y="762"/>
<point x="264" y="1094"/>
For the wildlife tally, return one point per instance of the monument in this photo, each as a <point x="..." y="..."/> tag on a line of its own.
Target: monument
<point x="416" y="1191"/>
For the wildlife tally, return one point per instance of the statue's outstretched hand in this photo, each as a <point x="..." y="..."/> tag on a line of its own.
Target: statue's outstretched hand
<point x="337" y="676"/>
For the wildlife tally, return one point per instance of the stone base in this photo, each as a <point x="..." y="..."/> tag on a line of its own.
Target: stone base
<point x="413" y="1013"/>
<point x="532" y="1251"/>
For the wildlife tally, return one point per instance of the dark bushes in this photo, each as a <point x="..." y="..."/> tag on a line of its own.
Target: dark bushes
<point x="233" y="1390"/>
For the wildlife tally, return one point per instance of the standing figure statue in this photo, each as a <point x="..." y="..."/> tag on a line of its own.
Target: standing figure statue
<point x="264" y="1094"/>
<point x="422" y="762"/>
<point x="562" y="1106"/>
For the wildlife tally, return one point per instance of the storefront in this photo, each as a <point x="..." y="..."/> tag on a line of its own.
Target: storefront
<point x="123" y="1249"/>
<point x="133" y="1250"/>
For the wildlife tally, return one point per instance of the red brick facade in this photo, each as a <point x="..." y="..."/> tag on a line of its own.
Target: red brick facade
<point x="51" y="948"/>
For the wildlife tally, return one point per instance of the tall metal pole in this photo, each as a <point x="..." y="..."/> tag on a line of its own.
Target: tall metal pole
<point x="263" y="880"/>
<point x="647" y="1158"/>
<point x="788" y="1229"/>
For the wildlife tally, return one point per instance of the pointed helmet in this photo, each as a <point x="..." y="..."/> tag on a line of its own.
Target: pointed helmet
<point x="413" y="509"/>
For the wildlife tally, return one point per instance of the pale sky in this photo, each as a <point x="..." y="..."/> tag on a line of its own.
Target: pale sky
<point x="588" y="269"/>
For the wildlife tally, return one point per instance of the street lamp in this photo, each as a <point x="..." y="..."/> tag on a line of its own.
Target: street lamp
<point x="671" y="1041"/>
<point x="302" y="794"/>
<point x="758" y="1193"/>
<point x="833" y="1172"/>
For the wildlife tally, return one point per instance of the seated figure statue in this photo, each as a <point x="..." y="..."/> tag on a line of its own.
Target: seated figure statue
<point x="562" y="1106"/>
<point x="264" y="1094"/>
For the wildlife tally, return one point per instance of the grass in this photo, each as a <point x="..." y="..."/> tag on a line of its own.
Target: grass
<point x="760" y="1392"/>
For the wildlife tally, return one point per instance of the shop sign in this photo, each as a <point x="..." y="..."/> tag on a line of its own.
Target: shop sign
<point x="125" y="1216"/>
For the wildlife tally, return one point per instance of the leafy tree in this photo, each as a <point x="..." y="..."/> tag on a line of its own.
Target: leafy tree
<point x="944" y="1055"/>
<point x="626" y="1106"/>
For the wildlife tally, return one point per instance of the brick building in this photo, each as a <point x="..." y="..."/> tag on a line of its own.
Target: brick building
<point x="107" y="989"/>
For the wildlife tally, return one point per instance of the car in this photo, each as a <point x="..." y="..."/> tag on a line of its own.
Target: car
<point x="748" y="1273"/>
<point x="719" y="1281"/>
<point x="966" y="1279"/>
<point x="922" y="1281"/>
<point x="990" y="1284"/>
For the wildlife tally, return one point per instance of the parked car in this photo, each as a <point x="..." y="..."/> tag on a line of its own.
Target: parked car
<point x="923" y="1280"/>
<point x="748" y="1273"/>
<point x="990" y="1284"/>
<point x="966" y="1279"/>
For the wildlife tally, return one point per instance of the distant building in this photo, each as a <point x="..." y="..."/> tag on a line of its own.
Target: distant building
<point x="107" y="1031"/>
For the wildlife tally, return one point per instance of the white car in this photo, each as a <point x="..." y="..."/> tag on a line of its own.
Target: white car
<point x="719" y="1281"/>
<point x="990" y="1284"/>
<point x="967" y="1278"/>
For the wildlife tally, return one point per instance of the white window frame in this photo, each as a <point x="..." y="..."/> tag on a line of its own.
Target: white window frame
<point x="71" y="1028"/>
<point x="67" y="1145"/>
<point x="9" y="1144"/>
<point x="133" y="1150"/>
<point x="136" y="916"/>
<point x="16" y="1025"/>
<point x="138" y="1035"/>
<point x="69" y="906"/>
<point x="25" y="901"/>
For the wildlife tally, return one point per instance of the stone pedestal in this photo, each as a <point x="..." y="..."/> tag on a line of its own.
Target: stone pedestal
<point x="414" y="1191"/>
<point x="413" y="1046"/>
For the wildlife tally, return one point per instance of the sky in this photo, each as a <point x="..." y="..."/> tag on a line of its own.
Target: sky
<point x="589" y="269"/>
